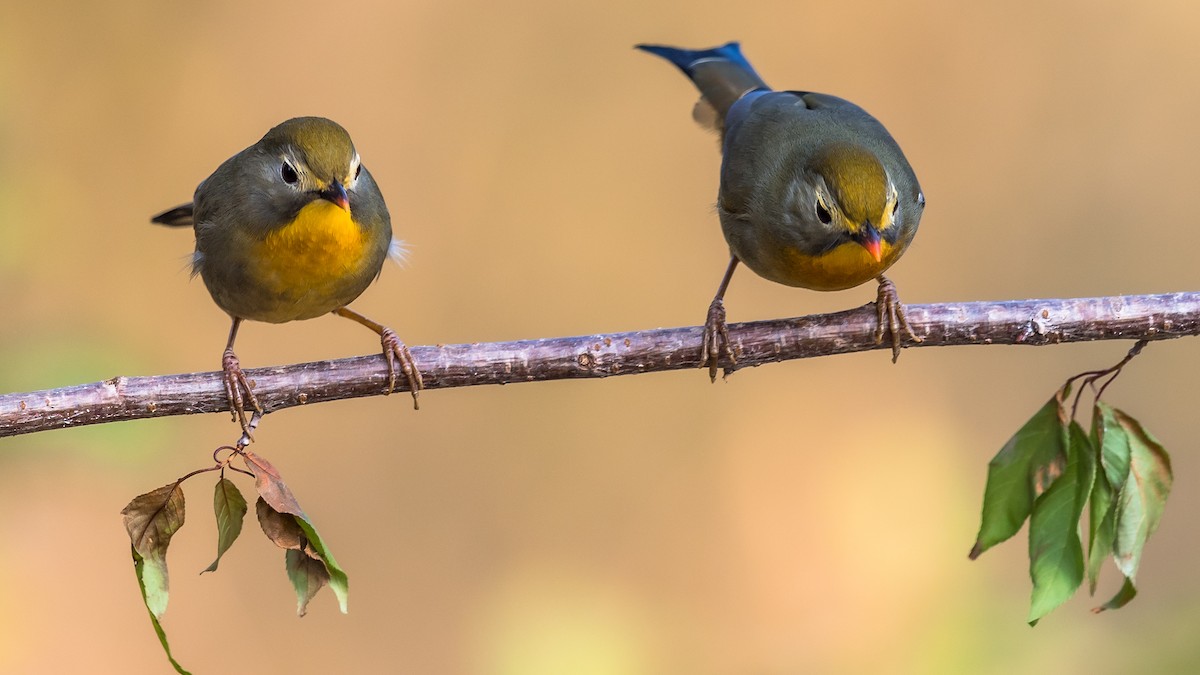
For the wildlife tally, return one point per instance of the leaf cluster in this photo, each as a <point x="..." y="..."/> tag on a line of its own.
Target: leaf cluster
<point x="153" y="518"/>
<point x="1051" y="472"/>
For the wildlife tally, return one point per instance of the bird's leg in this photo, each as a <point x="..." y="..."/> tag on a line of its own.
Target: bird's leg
<point x="394" y="351"/>
<point x="890" y="317"/>
<point x="237" y="388"/>
<point x="716" y="335"/>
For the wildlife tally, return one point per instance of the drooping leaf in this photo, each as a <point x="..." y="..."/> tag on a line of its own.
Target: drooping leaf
<point x="270" y="485"/>
<point x="139" y="567"/>
<point x="283" y="529"/>
<point x="1122" y="598"/>
<point x="307" y="575"/>
<point x="151" y="520"/>
<point x="276" y="505"/>
<point x="1143" y="496"/>
<point x="1101" y="529"/>
<point x="229" y="506"/>
<point x="1111" y="446"/>
<point x="338" y="581"/>
<point x="1055" y="551"/>
<point x="1023" y="469"/>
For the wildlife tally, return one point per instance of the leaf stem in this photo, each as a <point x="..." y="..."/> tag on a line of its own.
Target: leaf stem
<point x="1092" y="376"/>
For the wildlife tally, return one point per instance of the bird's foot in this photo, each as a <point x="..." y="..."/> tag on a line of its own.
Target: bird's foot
<point x="891" y="318"/>
<point x="716" y="341"/>
<point x="396" y="352"/>
<point x="237" y="391"/>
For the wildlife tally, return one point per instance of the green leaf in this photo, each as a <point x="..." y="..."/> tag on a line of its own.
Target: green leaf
<point x="1112" y="448"/>
<point x="1023" y="469"/>
<point x="151" y="520"/>
<point x="338" y="582"/>
<point x="1113" y="444"/>
<point x="308" y="575"/>
<point x="1055" y="550"/>
<point x="1143" y="496"/>
<point x="230" y="508"/>
<point x="1122" y="598"/>
<point x="139" y="567"/>
<point x="1101" y="528"/>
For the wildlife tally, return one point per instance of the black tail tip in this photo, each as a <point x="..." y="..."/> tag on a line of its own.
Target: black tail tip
<point x="180" y="216"/>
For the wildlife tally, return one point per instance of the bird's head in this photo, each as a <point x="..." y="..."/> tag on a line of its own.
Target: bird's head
<point x="853" y="195"/>
<point x="314" y="157"/>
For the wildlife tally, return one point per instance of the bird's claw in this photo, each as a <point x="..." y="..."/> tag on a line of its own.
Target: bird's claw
<point x="395" y="352"/>
<point x="716" y="341"/>
<point x="890" y="317"/>
<point x="238" y="391"/>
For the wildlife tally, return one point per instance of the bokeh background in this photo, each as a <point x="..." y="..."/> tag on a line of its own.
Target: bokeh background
<point x="809" y="516"/>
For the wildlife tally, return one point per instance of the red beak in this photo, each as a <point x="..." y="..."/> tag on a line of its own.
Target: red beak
<point x="868" y="238"/>
<point x="337" y="194"/>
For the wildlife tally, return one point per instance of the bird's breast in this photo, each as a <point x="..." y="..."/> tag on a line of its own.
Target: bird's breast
<point x="846" y="266"/>
<point x="321" y="258"/>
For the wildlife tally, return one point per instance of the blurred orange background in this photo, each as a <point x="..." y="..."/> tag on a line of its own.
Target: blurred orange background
<point x="811" y="516"/>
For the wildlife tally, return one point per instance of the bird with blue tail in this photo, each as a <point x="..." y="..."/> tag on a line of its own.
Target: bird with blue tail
<point x="814" y="192"/>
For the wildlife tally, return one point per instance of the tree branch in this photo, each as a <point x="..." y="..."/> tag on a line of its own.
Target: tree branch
<point x="1029" y="322"/>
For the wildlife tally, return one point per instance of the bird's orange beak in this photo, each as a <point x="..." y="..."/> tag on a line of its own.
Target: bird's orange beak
<point x="868" y="237"/>
<point x="336" y="194"/>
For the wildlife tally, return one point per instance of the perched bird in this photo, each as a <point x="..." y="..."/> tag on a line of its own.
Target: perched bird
<point x="291" y="228"/>
<point x="814" y="192"/>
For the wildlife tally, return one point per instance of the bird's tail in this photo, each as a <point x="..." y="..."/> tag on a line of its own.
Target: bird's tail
<point x="180" y="216"/>
<point x="721" y="74"/>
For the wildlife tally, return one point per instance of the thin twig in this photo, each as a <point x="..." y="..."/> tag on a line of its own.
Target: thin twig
<point x="1092" y="376"/>
<point x="1028" y="322"/>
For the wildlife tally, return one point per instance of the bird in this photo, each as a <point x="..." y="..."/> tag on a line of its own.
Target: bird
<point x="292" y="228"/>
<point x="814" y="192"/>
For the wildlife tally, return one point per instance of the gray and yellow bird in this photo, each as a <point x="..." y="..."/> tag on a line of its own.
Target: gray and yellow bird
<point x="291" y="228"/>
<point x="814" y="192"/>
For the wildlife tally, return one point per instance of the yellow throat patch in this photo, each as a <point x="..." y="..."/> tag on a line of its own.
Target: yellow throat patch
<point x="844" y="267"/>
<point x="315" y="252"/>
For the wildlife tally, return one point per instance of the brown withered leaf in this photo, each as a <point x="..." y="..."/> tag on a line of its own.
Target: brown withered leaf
<point x="280" y="515"/>
<point x="282" y="529"/>
<point x="270" y="485"/>
<point x="151" y="520"/>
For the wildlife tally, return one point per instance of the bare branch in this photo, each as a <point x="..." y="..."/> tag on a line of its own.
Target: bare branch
<point x="1029" y="322"/>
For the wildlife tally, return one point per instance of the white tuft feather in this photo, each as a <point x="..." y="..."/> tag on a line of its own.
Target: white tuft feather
<point x="398" y="252"/>
<point x="195" y="260"/>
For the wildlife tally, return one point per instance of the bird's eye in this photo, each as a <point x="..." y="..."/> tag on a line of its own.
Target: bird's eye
<point x="357" y="171"/>
<point x="895" y="208"/>
<point x="288" y="173"/>
<point x="823" y="214"/>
